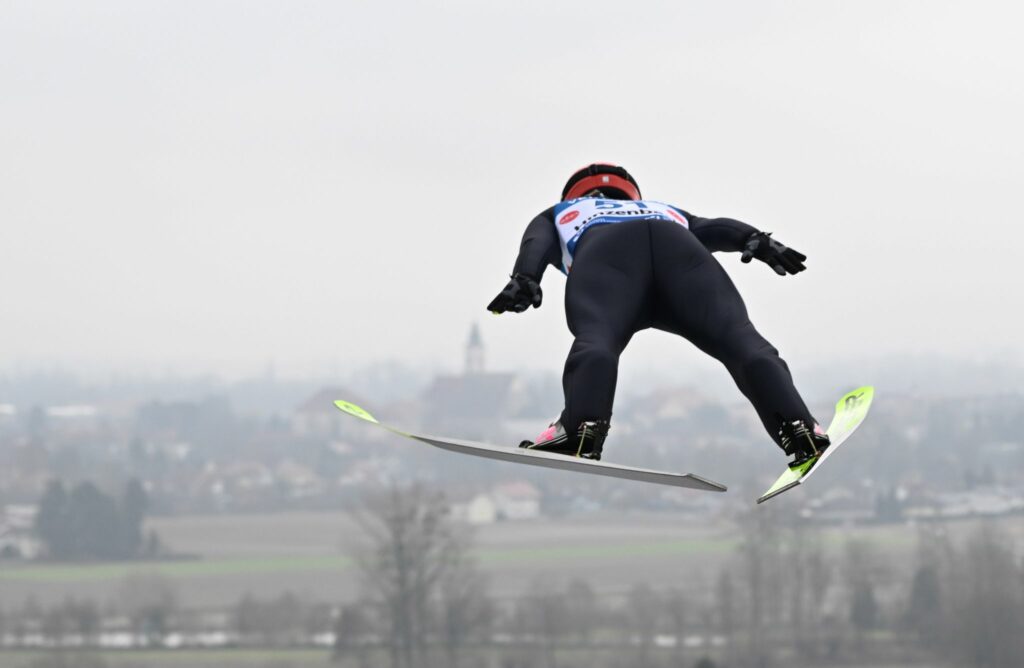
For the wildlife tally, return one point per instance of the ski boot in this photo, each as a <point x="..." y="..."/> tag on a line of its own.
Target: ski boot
<point x="802" y="441"/>
<point x="587" y="442"/>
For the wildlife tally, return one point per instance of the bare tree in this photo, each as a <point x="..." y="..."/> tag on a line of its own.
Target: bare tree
<point x="351" y="630"/>
<point x="925" y="605"/>
<point x="86" y="618"/>
<point x="864" y="607"/>
<point x="761" y="564"/>
<point x="725" y="602"/>
<point x="277" y="621"/>
<point x="864" y="569"/>
<point x="413" y="559"/>
<point x="644" y="607"/>
<point x="149" y="600"/>
<point x="818" y="574"/>
<point x="542" y="613"/>
<point x="807" y="577"/>
<point x="928" y="601"/>
<point x="65" y="659"/>
<point x="676" y="605"/>
<point x="56" y="623"/>
<point x="988" y="603"/>
<point x="582" y="610"/>
<point x="465" y="610"/>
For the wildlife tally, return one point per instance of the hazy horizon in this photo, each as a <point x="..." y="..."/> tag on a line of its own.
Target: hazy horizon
<point x="216" y="217"/>
<point x="336" y="184"/>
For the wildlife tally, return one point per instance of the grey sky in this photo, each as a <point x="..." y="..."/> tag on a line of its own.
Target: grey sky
<point x="225" y="184"/>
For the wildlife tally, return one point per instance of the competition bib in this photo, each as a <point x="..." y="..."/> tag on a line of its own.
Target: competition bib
<point x="575" y="217"/>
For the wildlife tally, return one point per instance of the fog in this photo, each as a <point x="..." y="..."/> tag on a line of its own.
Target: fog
<point x="237" y="186"/>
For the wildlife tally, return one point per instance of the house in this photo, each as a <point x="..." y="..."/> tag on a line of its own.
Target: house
<point x="317" y="417"/>
<point x="17" y="532"/>
<point x="518" y="500"/>
<point x="472" y="404"/>
<point x="480" y="510"/>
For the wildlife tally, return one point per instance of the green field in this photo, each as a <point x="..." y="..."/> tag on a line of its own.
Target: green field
<point x="309" y="554"/>
<point x="232" y="658"/>
<point x="70" y="573"/>
<point x="85" y="573"/>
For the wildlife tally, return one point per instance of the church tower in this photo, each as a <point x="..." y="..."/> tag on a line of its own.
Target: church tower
<point x="474" y="351"/>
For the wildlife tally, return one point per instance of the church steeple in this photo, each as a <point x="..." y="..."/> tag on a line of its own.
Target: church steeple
<point x="474" y="351"/>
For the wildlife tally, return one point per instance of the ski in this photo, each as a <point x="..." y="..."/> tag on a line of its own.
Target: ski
<point x="544" y="459"/>
<point x="851" y="410"/>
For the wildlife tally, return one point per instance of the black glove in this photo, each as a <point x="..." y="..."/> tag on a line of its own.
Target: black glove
<point x="782" y="259"/>
<point x="520" y="293"/>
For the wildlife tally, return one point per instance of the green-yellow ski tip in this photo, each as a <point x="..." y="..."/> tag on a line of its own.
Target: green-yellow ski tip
<point x="358" y="412"/>
<point x="862" y="395"/>
<point x="851" y="409"/>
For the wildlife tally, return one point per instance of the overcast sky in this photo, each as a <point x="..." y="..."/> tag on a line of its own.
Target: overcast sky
<point x="225" y="185"/>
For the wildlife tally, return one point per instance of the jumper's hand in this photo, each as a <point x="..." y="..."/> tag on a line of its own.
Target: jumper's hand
<point x="521" y="293"/>
<point x="782" y="259"/>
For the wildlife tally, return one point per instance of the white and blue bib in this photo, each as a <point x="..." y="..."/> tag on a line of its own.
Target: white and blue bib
<point x="576" y="216"/>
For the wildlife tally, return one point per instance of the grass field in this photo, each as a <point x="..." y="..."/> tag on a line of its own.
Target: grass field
<point x="309" y="554"/>
<point x="233" y="658"/>
<point x="300" y="658"/>
<point x="70" y="573"/>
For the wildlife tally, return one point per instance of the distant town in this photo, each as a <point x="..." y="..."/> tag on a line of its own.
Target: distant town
<point x="266" y="445"/>
<point x="172" y="515"/>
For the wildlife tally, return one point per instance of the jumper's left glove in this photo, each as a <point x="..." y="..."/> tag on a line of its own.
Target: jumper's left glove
<point x="521" y="293"/>
<point x="782" y="259"/>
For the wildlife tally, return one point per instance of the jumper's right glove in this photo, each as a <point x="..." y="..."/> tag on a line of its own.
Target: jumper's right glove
<point x="782" y="259"/>
<point x="521" y="293"/>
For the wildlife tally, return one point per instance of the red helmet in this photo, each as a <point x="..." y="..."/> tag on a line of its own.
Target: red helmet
<point x="604" y="177"/>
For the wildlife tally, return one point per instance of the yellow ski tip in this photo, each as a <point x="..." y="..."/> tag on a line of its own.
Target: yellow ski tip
<point x="358" y="412"/>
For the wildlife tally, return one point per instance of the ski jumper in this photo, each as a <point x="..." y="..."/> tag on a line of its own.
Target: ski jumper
<point x="634" y="267"/>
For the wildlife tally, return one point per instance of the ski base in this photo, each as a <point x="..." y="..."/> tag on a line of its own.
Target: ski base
<point x="545" y="459"/>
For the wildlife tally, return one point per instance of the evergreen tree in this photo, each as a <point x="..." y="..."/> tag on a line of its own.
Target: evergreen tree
<point x="53" y="524"/>
<point x="95" y="524"/>
<point x="153" y="546"/>
<point x="88" y="524"/>
<point x="134" y="504"/>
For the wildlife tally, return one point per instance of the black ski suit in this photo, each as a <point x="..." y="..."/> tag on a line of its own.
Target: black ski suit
<point x="633" y="275"/>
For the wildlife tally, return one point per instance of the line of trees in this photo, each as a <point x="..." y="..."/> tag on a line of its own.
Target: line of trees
<point x="786" y="597"/>
<point x="146" y="605"/>
<point x="419" y="580"/>
<point x="86" y="523"/>
<point x="425" y="604"/>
